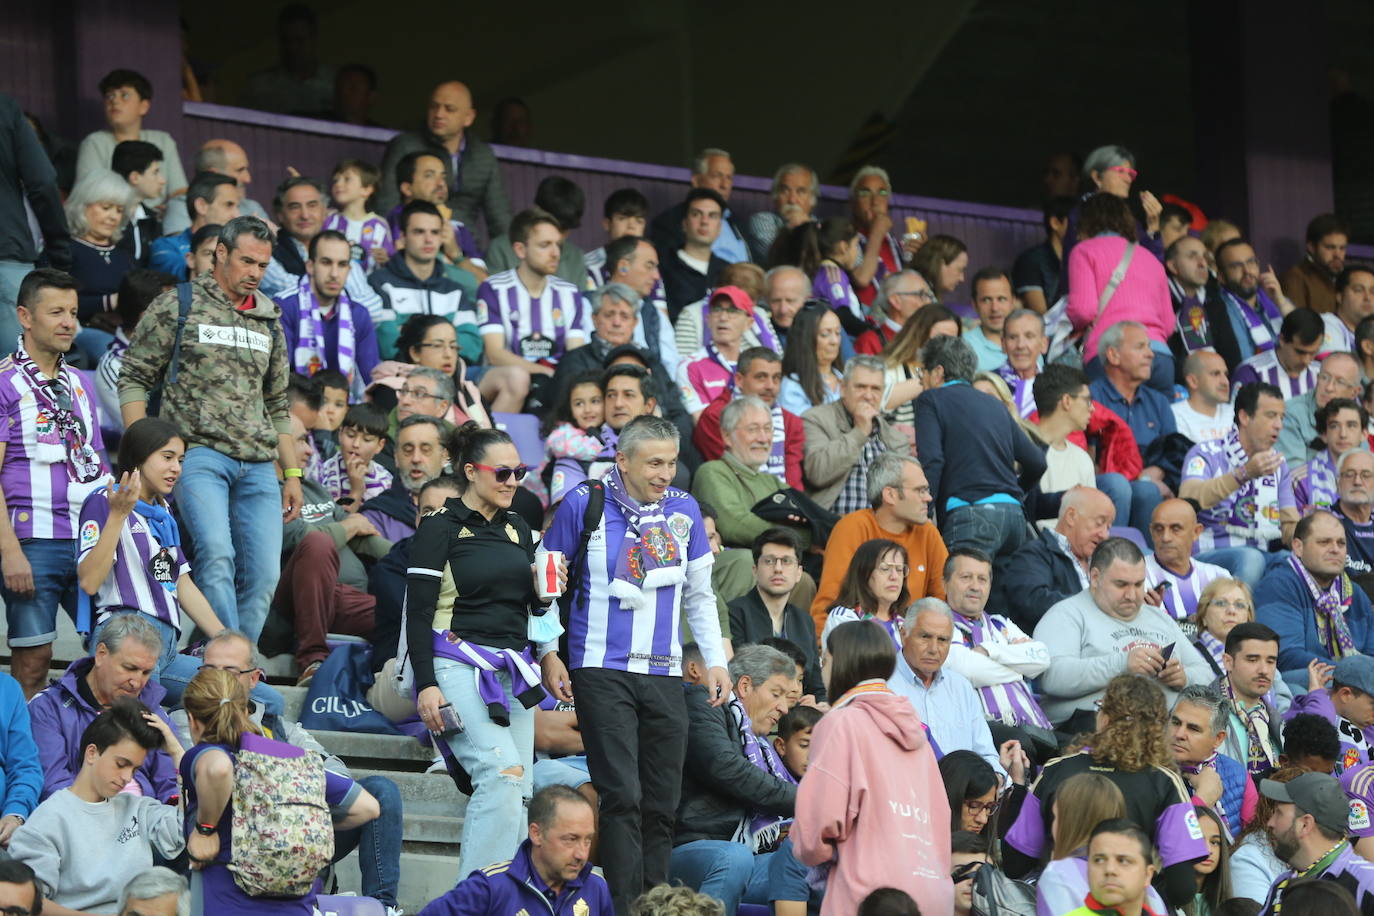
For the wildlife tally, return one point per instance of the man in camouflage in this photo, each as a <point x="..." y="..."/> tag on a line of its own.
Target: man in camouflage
<point x="230" y="403"/>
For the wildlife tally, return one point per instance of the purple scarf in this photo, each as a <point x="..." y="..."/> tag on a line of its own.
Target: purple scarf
<point x="1331" y="604"/>
<point x="488" y="664"/>
<point x="57" y="421"/>
<point x="649" y="557"/>
<point x="309" y="356"/>
<point x="761" y="832"/>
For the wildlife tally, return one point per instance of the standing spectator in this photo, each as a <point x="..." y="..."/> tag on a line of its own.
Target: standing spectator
<point x="811" y="361"/>
<point x="299" y="82"/>
<point x="469" y="597"/>
<point x="627" y="668"/>
<point x="993" y="301"/>
<point x="564" y="201"/>
<point x="97" y="211"/>
<point x="48" y="466"/>
<point x="1111" y="169"/>
<point x="212" y="199"/>
<point x="1311" y="283"/>
<point x="1289" y="365"/>
<point x="900" y="296"/>
<point x="870" y="201"/>
<point x="323" y="327"/>
<point x="970" y="448"/>
<point x="795" y="192"/>
<point x="128" y="96"/>
<point x="230" y="403"/>
<point x="1174" y="530"/>
<point x="1207" y="413"/>
<point x="474" y="177"/>
<point x="1309" y="827"/>
<point x="712" y="170"/>
<point x="411" y="282"/>
<point x="758" y="374"/>
<point x="140" y="164"/>
<point x="1054" y="566"/>
<point x="1121" y="866"/>
<point x="693" y="267"/>
<point x="871" y="746"/>
<point x="766" y="611"/>
<point x="1038" y="273"/>
<point x="1127" y="388"/>
<point x="223" y="157"/>
<point x="845" y="437"/>
<point x="19" y="757"/>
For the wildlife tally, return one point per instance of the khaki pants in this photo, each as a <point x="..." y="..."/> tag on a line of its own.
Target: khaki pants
<point x="385" y="695"/>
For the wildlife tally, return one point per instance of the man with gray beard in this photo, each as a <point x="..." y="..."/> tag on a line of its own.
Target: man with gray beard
<point x="420" y="457"/>
<point x="1355" y="486"/>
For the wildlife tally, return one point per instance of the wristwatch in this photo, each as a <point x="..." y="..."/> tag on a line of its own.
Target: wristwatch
<point x="207" y="829"/>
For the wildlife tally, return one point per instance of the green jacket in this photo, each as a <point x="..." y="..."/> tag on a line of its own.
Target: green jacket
<point x="732" y="490"/>
<point x="230" y="392"/>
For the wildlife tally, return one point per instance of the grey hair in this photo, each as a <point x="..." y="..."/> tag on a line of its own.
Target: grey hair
<point x="442" y="380"/>
<point x="155" y="882"/>
<point x="1104" y="157"/>
<point x="776" y="272"/>
<point x="865" y="361"/>
<point x="788" y="169"/>
<point x="230" y="635"/>
<point x="869" y="171"/>
<point x="886" y="471"/>
<point x="700" y="161"/>
<point x="730" y="416"/>
<point x="1114" y="549"/>
<point x="647" y="428"/>
<point x="418" y="419"/>
<point x="953" y="355"/>
<point x="1340" y="354"/>
<point x="614" y="290"/>
<point x="99" y="186"/>
<point x="1210" y="699"/>
<point x="130" y="626"/>
<point x="232" y="231"/>
<point x="879" y="306"/>
<point x="212" y="158"/>
<point x="1348" y="454"/>
<point x="1018" y="314"/>
<point x="759" y="663"/>
<point x="928" y="605"/>
<point x="1112" y="337"/>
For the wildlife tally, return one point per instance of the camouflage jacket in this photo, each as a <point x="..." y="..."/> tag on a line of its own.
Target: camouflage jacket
<point x="230" y="392"/>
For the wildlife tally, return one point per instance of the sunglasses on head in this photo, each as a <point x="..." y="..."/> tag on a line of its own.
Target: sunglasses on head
<point x="503" y="474"/>
<point x="965" y="871"/>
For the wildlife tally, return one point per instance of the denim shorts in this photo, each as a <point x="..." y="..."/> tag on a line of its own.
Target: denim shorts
<point x="33" y="620"/>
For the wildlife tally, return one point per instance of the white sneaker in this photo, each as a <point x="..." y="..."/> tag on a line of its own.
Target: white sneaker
<point x="438" y="766"/>
<point x="395" y="911"/>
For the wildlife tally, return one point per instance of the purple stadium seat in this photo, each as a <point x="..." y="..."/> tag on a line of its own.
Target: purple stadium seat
<point x="523" y="429"/>
<point x="336" y="905"/>
<point x="753" y="909"/>
<point x="1130" y="534"/>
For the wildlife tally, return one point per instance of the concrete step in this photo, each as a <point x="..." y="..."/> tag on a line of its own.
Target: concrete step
<point x="423" y="793"/>
<point x="386" y="751"/>
<point x="425" y="876"/>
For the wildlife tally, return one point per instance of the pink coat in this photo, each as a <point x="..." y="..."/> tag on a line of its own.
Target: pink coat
<point x="1143" y="295"/>
<point x="872" y="801"/>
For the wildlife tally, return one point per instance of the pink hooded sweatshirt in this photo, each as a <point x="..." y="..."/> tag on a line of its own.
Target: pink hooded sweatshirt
<point x="872" y="802"/>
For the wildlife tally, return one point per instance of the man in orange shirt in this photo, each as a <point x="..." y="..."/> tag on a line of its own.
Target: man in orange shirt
<point x="900" y="499"/>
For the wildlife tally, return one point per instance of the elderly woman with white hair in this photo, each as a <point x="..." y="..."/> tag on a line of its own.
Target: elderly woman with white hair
<point x="97" y="213"/>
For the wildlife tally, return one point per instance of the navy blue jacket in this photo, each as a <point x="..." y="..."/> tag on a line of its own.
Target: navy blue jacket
<point x="1033" y="579"/>
<point x="514" y="886"/>
<point x="1286" y="605"/>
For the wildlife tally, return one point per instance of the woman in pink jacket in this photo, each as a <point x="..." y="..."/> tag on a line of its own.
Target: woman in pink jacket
<point x="1105" y="226"/>
<point x="871" y="810"/>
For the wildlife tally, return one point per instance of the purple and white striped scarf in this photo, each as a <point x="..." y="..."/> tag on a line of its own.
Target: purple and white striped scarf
<point x="1011" y="703"/>
<point x="309" y="356"/>
<point x="761" y="832"/>
<point x="649" y="557"/>
<point x="487" y="665"/>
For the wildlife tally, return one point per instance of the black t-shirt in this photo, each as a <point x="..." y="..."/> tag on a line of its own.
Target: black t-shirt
<point x="1038" y="268"/>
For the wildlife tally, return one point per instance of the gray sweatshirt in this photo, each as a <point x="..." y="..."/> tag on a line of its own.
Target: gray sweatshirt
<point x="1089" y="647"/>
<point x="111" y="840"/>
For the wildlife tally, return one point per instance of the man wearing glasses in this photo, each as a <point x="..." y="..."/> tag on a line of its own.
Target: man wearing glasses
<point x="900" y="295"/>
<point x="766" y="612"/>
<point x="1355" y="509"/>
<point x="1338" y="377"/>
<point x="870" y="194"/>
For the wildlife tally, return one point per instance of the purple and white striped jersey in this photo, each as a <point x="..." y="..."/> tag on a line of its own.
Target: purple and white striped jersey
<point x="596" y="267"/>
<point x="364" y="235"/>
<point x="334" y="477"/>
<point x="1180" y="599"/>
<point x="41" y="492"/>
<point x="1000" y="676"/>
<point x="1265" y="367"/>
<point x="1249" y="517"/>
<point x="130" y="584"/>
<point x="1339" y="338"/>
<point x="539" y="330"/>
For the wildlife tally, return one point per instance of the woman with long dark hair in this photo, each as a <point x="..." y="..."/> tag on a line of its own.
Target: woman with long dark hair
<point x="429" y="341"/>
<point x="971" y="786"/>
<point x="1214" y="872"/>
<point x="874" y="588"/>
<point x="811" y="365"/>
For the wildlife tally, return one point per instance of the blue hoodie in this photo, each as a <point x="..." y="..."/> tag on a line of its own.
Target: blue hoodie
<point x="507" y="887"/>
<point x="21" y="778"/>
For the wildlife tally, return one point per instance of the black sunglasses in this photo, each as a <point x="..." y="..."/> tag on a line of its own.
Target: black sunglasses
<point x="503" y="474"/>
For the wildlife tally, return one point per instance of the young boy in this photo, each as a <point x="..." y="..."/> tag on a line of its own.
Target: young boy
<point x="140" y="164"/>
<point x="793" y="740"/>
<point x="353" y="185"/>
<point x="128" y="95"/>
<point x="200" y="260"/>
<point x="351" y="476"/>
<point x="87" y="841"/>
<point x="626" y="211"/>
<point x="333" y="405"/>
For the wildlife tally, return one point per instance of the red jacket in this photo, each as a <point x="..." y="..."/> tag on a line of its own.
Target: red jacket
<point x="1117" y="452"/>
<point x="707" y="438"/>
<point x="873" y="340"/>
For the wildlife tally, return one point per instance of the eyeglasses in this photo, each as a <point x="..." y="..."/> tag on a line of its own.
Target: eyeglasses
<point x="965" y="872"/>
<point x="887" y="569"/>
<point x="1124" y="170"/>
<point x="870" y="192"/>
<point x="1326" y="378"/>
<point x="417" y="393"/>
<point x="504" y="474"/>
<point x="447" y="346"/>
<point x="1357" y="475"/>
<point x="977" y="807"/>
<point x="785" y="562"/>
<point x="232" y="669"/>
<point x="922" y="294"/>
<point x="717" y="307"/>
<point x="1225" y="605"/>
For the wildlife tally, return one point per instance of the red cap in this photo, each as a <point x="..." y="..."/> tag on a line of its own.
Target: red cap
<point x="738" y="297"/>
<point x="1199" y="220"/>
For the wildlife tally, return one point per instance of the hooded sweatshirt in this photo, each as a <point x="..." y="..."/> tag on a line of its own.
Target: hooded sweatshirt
<point x="873" y="805"/>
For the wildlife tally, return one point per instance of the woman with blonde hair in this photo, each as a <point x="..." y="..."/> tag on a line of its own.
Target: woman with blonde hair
<point x="216" y="704"/>
<point x="97" y="211"/>
<point x="993" y="384"/>
<point x="1222" y="604"/>
<point x="1128" y="748"/>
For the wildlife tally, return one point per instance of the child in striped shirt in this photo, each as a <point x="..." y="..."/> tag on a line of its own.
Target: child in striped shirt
<point x="351" y="476"/>
<point x="352" y="186"/>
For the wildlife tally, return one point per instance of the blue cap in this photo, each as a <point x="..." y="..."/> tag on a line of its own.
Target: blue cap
<point x="1355" y="671"/>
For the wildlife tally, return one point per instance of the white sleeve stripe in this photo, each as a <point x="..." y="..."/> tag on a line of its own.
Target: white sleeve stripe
<point x="421" y="571"/>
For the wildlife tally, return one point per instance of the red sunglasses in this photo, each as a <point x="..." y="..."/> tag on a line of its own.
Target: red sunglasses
<point x="503" y="474"/>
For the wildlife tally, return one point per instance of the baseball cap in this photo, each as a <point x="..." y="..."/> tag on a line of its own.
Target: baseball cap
<point x="1355" y="671"/>
<point x="1317" y="794"/>
<point x="737" y="297"/>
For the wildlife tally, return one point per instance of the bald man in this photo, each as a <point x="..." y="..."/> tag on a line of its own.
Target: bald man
<point x="1174" y="528"/>
<point x="1054" y="566"/>
<point x="474" y="177"/>
<point x="224" y="157"/>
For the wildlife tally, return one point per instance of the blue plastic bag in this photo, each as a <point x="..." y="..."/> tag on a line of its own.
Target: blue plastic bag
<point x="337" y="699"/>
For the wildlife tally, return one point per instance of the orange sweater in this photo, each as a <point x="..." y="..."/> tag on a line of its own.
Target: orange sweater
<point x="925" y="551"/>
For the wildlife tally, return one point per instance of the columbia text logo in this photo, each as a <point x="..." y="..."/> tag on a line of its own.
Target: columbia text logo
<point x="234" y="337"/>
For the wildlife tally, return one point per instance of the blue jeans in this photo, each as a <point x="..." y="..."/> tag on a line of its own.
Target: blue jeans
<point x="731" y="873"/>
<point x="495" y="819"/>
<point x="1135" y="501"/>
<point x="12" y="273"/>
<point x="561" y="771"/>
<point x="378" y="842"/>
<point x="33" y="620"/>
<point x="997" y="529"/>
<point x="1245" y="563"/>
<point x="232" y="511"/>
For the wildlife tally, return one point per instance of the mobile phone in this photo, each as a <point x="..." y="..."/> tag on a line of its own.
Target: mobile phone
<point x="1168" y="651"/>
<point x="449" y="722"/>
<point x="1164" y="586"/>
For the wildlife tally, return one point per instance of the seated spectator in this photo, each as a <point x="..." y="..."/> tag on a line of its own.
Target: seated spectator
<point x="1198" y="726"/>
<point x="629" y="392"/>
<point x="96" y="217"/>
<point x="351" y="188"/>
<point x="551" y="868"/>
<point x="411" y="282"/>
<point x="903" y="375"/>
<point x="207" y="778"/>
<point x="1038" y="273"/>
<point x="137" y="291"/>
<point x="1174" y="529"/>
<point x="633" y="261"/>
<point x="1315" y="744"/>
<point x="1354" y="303"/>
<point x="944" y="700"/>
<point x="994" y="655"/>
<point x="1243" y="487"/>
<point x="870" y="200"/>
<point x="1255" y="706"/>
<point x="1355" y="508"/>
<point x="421" y="175"/>
<point x="712" y="170"/>
<point x="993" y="301"/>
<point x="758" y="374"/>
<point x="97" y="812"/>
<point x="156" y="891"/>
<point x="1127" y="746"/>
<point x="828" y="252"/>
<point x="615" y="316"/>
<point x="1089" y="646"/>
<point x="199" y="259"/>
<point x="845" y="437"/>
<point x="971" y="786"/>
<point x="1340" y="695"/>
<point x="786" y="290"/>
<point x="943" y="260"/>
<point x="128" y="97"/>
<point x="971" y="450"/>
<point x="224" y="157"/>
<point x="793" y="739"/>
<point x="811" y="362"/>
<point x="433" y="342"/>
<point x="1025" y="344"/>
<point x="709" y="372"/>
<point x="571" y="432"/>
<point x="874" y="588"/>
<point x="1054" y="566"/>
<point x="733" y="775"/>
<point x="1311" y="283"/>
<point x="1063" y="407"/>
<point x="1342" y="423"/>
<point x="352" y="476"/>
<point x="1127" y="356"/>
<point x="1312" y="814"/>
<point x="900" y="296"/>
<point x="1310" y="601"/>
<point x="140" y="164"/>
<point x="794" y="194"/>
<point x="420" y="454"/>
<point x="625" y="212"/>
<point x="693" y="267"/>
<point x="562" y="199"/>
<point x="1203" y="320"/>
<point x="1207" y="413"/>
<point x="766" y="612"/>
<point x="1254" y="867"/>
<point x="1121" y="867"/>
<point x="1289" y="365"/>
<point x="968" y="855"/>
<point x="1174" y="222"/>
<point x="897" y="511"/>
<point x="125" y="655"/>
<point x="1338" y="377"/>
<point x="323" y="327"/>
<point x="1255" y="302"/>
<point x="211" y="199"/>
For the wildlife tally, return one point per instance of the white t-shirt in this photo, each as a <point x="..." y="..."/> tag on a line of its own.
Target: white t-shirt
<point x="1201" y="428"/>
<point x="1067" y="466"/>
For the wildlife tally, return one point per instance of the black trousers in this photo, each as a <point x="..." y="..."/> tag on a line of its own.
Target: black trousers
<point x="634" y="728"/>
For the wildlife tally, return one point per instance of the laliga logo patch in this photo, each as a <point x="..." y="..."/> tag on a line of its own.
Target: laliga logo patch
<point x="1196" y="466"/>
<point x="90" y="533"/>
<point x="1194" y="830"/>
<point x="1359" y="815"/>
